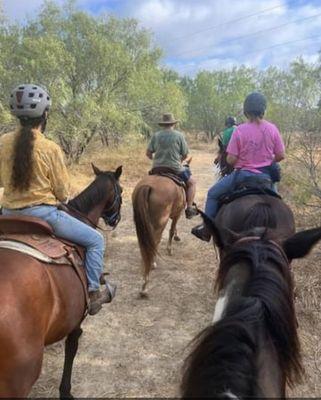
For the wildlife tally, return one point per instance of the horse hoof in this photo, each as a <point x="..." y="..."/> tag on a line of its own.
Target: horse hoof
<point x="143" y="294"/>
<point x="169" y="252"/>
<point x="177" y="238"/>
<point x="154" y="265"/>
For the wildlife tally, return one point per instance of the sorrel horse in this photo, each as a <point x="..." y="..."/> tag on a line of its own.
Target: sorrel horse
<point x="156" y="199"/>
<point x="252" y="349"/>
<point x="42" y="304"/>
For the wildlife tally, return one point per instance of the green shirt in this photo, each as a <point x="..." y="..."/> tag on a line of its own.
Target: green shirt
<point x="227" y="134"/>
<point x="169" y="148"/>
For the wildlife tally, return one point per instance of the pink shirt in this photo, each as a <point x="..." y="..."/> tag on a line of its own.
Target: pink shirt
<point x="255" y="145"/>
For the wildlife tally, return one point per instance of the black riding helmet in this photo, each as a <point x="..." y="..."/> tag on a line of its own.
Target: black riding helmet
<point x="255" y="104"/>
<point x="230" y="121"/>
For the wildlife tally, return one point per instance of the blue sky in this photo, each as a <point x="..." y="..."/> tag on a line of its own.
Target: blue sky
<point x="214" y="34"/>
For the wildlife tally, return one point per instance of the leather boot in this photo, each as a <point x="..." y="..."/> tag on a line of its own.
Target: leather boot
<point x="201" y="232"/>
<point x="98" y="297"/>
<point x="190" y="212"/>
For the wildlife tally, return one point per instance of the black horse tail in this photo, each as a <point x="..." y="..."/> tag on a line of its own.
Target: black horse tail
<point x="222" y="362"/>
<point x="261" y="214"/>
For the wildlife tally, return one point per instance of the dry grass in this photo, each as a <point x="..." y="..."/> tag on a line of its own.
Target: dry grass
<point x="135" y="348"/>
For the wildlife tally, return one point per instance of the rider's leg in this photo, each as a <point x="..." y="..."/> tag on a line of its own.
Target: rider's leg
<point x="70" y="228"/>
<point x="221" y="187"/>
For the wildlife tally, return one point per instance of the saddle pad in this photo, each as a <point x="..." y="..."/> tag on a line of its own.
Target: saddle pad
<point x="48" y="245"/>
<point x="30" y="251"/>
<point x="167" y="173"/>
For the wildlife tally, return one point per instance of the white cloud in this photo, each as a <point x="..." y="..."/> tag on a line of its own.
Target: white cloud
<point x="214" y="34"/>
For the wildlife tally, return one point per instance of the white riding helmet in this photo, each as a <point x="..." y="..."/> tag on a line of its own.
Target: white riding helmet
<point x="29" y="101"/>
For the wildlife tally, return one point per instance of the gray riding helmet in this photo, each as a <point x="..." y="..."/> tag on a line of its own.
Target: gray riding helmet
<point x="255" y="103"/>
<point x="29" y="101"/>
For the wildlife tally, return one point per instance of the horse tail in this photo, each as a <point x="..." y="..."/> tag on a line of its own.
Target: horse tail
<point x="261" y="214"/>
<point x="222" y="361"/>
<point x="144" y="227"/>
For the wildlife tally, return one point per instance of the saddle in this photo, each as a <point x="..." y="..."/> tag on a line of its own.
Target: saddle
<point x="35" y="237"/>
<point x="250" y="185"/>
<point x="168" y="173"/>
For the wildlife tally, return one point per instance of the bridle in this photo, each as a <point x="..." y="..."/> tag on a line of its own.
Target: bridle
<point x="111" y="217"/>
<point x="246" y="239"/>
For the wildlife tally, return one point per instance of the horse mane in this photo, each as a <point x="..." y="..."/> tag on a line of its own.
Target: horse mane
<point x="223" y="359"/>
<point x="271" y="283"/>
<point x="93" y="194"/>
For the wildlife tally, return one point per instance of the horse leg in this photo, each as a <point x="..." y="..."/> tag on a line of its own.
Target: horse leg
<point x="19" y="372"/>
<point x="71" y="347"/>
<point x="158" y="235"/>
<point x="176" y="237"/>
<point x="171" y="235"/>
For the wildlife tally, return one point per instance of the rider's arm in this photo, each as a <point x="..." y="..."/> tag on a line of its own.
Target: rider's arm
<point x="151" y="148"/>
<point x="58" y="175"/>
<point x="279" y="148"/>
<point x="149" y="154"/>
<point x="232" y="160"/>
<point x="183" y="148"/>
<point x="279" y="157"/>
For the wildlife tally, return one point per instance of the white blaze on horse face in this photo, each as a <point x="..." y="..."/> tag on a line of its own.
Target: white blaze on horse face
<point x="229" y="395"/>
<point x="220" y="306"/>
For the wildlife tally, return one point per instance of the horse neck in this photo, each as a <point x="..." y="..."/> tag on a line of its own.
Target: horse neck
<point x="85" y="204"/>
<point x="270" y="283"/>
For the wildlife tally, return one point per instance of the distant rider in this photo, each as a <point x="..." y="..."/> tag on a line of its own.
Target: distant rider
<point x="230" y="126"/>
<point x="254" y="149"/>
<point x="168" y="148"/>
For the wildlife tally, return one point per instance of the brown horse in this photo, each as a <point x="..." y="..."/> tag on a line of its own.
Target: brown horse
<point x="252" y="349"/>
<point x="156" y="199"/>
<point x="42" y="304"/>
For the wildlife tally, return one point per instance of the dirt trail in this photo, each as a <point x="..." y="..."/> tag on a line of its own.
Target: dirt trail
<point x="135" y="347"/>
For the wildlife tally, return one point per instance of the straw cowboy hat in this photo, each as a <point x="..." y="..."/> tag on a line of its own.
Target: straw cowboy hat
<point x="168" y="119"/>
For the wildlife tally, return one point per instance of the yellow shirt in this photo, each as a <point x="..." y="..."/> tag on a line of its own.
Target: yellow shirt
<point x="49" y="183"/>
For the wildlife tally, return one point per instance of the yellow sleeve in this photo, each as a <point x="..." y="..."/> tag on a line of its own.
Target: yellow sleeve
<point x="1" y="183"/>
<point x="58" y="175"/>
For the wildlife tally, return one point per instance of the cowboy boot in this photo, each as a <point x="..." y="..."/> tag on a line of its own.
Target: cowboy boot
<point x="98" y="297"/>
<point x="190" y="212"/>
<point x="201" y="232"/>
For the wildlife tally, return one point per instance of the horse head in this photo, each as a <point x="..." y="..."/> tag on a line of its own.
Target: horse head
<point x="102" y="198"/>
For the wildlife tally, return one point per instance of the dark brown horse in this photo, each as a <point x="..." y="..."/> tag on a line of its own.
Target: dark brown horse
<point x="220" y="160"/>
<point x="42" y="304"/>
<point x="252" y="349"/>
<point x="156" y="199"/>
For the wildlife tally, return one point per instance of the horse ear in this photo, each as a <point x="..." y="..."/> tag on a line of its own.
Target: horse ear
<point x="118" y="172"/>
<point x="96" y="170"/>
<point x="210" y="225"/>
<point x="300" y="244"/>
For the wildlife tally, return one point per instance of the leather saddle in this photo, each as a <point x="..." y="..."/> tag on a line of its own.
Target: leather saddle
<point x="39" y="235"/>
<point x="250" y="185"/>
<point x="168" y="173"/>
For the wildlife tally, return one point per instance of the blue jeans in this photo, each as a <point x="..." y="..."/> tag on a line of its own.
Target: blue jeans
<point x="70" y="228"/>
<point x="225" y="185"/>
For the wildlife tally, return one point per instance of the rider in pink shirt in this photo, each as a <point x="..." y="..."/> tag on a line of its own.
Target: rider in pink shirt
<point x="254" y="150"/>
<point x="255" y="145"/>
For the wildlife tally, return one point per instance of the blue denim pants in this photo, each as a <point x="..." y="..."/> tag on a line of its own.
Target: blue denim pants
<point x="225" y="185"/>
<point x="70" y="228"/>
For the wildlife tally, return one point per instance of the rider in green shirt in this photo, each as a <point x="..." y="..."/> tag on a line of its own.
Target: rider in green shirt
<point x="168" y="148"/>
<point x="230" y="126"/>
